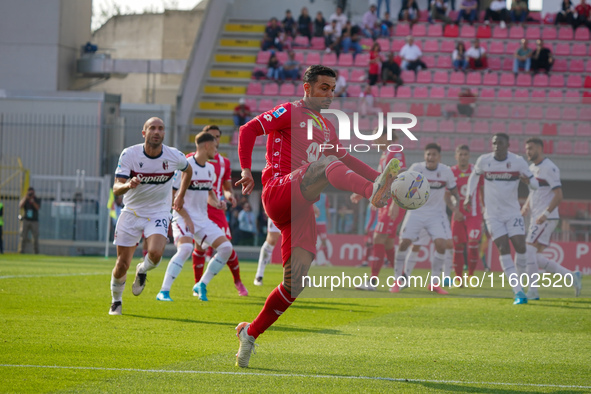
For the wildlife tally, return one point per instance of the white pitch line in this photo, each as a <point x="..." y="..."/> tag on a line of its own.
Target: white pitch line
<point x="295" y="375"/>
<point x="51" y="275"/>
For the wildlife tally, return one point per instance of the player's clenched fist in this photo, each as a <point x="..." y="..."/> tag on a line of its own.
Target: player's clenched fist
<point x="133" y="182"/>
<point x="247" y="182"/>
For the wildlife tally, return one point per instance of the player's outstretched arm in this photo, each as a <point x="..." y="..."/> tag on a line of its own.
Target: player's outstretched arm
<point x="179" y="199"/>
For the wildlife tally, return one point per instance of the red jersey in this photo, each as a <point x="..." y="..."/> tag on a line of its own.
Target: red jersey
<point x="462" y="185"/>
<point x="583" y="9"/>
<point x="288" y="146"/>
<point x="223" y="173"/>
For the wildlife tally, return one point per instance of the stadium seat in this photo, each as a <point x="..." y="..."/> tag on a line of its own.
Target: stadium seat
<point x="375" y="91"/>
<point x="566" y="129"/>
<point x="366" y="43"/>
<point x="535" y="112"/>
<point x="516" y="32"/>
<point x="354" y="90"/>
<point x="403" y="92"/>
<point x="477" y="144"/>
<point x="564" y="147"/>
<point x="555" y="96"/>
<point x="317" y="43"/>
<point x="440" y="77"/>
<point x="312" y="58"/>
<point x="419" y="30"/>
<point x="251" y="103"/>
<point x="435" y="30"/>
<point x="487" y="94"/>
<point x="408" y="76"/>
<point x="576" y="65"/>
<point x="512" y="47"/>
<point x="514" y="128"/>
<point x="384" y="43"/>
<point x="582" y="34"/>
<point x="417" y="109"/>
<point x="521" y="95"/>
<point x="584" y="129"/>
<point x="421" y="92"/>
<point x="538" y="96"/>
<point x="562" y="49"/>
<point x="540" y="81"/>
<point x="429" y="60"/>
<point x="464" y="126"/>
<point x="361" y="60"/>
<point x="490" y="79"/>
<point x="467" y="31"/>
<point x="483" y="111"/>
<point x="497" y="127"/>
<point x="565" y="33"/>
<point x="553" y="114"/>
<point x="451" y="31"/>
<point x="499" y="33"/>
<point x="549" y="33"/>
<point x="507" y="80"/>
<point x="453" y="92"/>
<point x="397" y="45"/>
<point x="235" y="138"/>
<point x="358" y="75"/>
<point x="480" y="127"/>
<point x="460" y="141"/>
<point x="346" y="60"/>
<point x="424" y="76"/>
<point x="579" y="49"/>
<point x="560" y="65"/>
<point x="444" y="61"/>
<point x="457" y="78"/>
<point x="535" y="17"/>
<point x="569" y="113"/>
<point x="447" y="47"/>
<point x="263" y="57"/>
<point x="574" y="81"/>
<point x="254" y="89"/>
<point x="445" y="143"/>
<point x="301" y="41"/>
<point x="581" y="148"/>
<point x="433" y="109"/>
<point x="507" y="64"/>
<point x="281" y="56"/>
<point x="387" y="91"/>
<point x="496" y="48"/>
<point x="505" y="95"/>
<point x="532" y="33"/>
<point x="501" y="112"/>
<point x="572" y="97"/>
<point x="518" y="112"/>
<point x="402" y="30"/>
<point x="430" y="46"/>
<point x="271" y="89"/>
<point x="266" y="104"/>
<point x="287" y="89"/>
<point x="523" y="80"/>
<point x="588" y="66"/>
<point x="483" y="32"/>
<point x="549" y="129"/>
<point x="399" y="106"/>
<point x="556" y="81"/>
<point x="330" y="59"/>
<point x="438" y="92"/>
<point x="474" y="79"/>
<point x="447" y="126"/>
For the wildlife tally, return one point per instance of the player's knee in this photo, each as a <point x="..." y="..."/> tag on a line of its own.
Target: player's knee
<point x="184" y="251"/>
<point x="224" y="250"/>
<point x="440" y="245"/>
<point x="449" y="244"/>
<point x="404" y="244"/>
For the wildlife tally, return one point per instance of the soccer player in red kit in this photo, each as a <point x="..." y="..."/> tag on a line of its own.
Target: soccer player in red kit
<point x="293" y="178"/>
<point x="222" y="185"/>
<point x="468" y="230"/>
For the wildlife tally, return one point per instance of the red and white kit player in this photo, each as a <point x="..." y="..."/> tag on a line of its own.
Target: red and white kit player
<point x="469" y="230"/>
<point x="295" y="175"/>
<point x="222" y="187"/>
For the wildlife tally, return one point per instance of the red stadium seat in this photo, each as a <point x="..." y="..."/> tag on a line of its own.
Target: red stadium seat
<point x="447" y="126"/>
<point x="346" y="60"/>
<point x="447" y="47"/>
<point x="532" y="33"/>
<point x="317" y="43"/>
<point x="569" y="113"/>
<point x="408" y="76"/>
<point x="424" y="76"/>
<point x="301" y="41"/>
<point x="423" y="15"/>
<point x="535" y="113"/>
<point x="555" y="96"/>
<point x="505" y="95"/>
<point x="562" y="49"/>
<point x="549" y="33"/>
<point x="574" y="81"/>
<point x="522" y="95"/>
<point x="330" y="59"/>
<point x="507" y="64"/>
<point x="564" y="147"/>
<point x="263" y="57"/>
<point x="445" y="143"/>
<point x="518" y="112"/>
<point x="419" y="30"/>
<point x="582" y="34"/>
<point x="565" y="33"/>
<point x="402" y="30"/>
<point x="515" y="128"/>
<point x="421" y="92"/>
<point x="511" y="47"/>
<point x="584" y="129"/>
<point x="494" y="63"/>
<point x="437" y="92"/>
<point x="433" y="109"/>
<point x="457" y="78"/>
<point x="366" y="43"/>
<point x="480" y="127"/>
<point x="287" y="89"/>
<point x="516" y="32"/>
<point x="549" y="129"/>
<point x="440" y="77"/>
<point x="477" y="145"/>
<point x="254" y="89"/>
<point x="354" y="90"/>
<point x="474" y="79"/>
<point x="553" y="115"/>
<point x="397" y="45"/>
<point x="444" y="61"/>
<point x="499" y="33"/>
<point x="362" y="60"/>
<point x="429" y="60"/>
<point x="566" y="129"/>
<point x="312" y="58"/>
<point x="252" y="103"/>
<point x="497" y="48"/>
<point x="464" y="126"/>
<point x="540" y="81"/>
<point x="266" y="104"/>
<point x="499" y="127"/>
<point x="417" y="109"/>
<point x="572" y="97"/>
<point x="281" y="56"/>
<point x="483" y="31"/>
<point x="467" y="31"/>
<point x="507" y="80"/>
<point x="581" y="148"/>
<point x="556" y="81"/>
<point x="430" y="46"/>
<point x="384" y="43"/>
<point x="538" y="96"/>
<point x="501" y="112"/>
<point x="453" y="92"/>
<point x="576" y="66"/>
<point x="560" y="65"/>
<point x="451" y="31"/>
<point x="270" y="89"/>
<point x="487" y="94"/>
<point x="358" y="75"/>
<point x="523" y="80"/>
<point x="399" y="106"/>
<point x="403" y="92"/>
<point x="579" y="49"/>
<point x="460" y="141"/>
<point x="435" y="30"/>
<point x="387" y="91"/>
<point x="483" y="111"/>
<point x="375" y="91"/>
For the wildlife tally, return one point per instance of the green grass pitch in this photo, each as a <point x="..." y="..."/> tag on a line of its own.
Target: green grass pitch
<point x="56" y="336"/>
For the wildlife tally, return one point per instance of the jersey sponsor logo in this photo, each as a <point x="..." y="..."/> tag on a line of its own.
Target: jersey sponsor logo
<point x="268" y="117"/>
<point x="501" y="176"/>
<point x="437" y="184"/>
<point x="543" y="182"/>
<point x="280" y="111"/>
<point x="152" y="179"/>
<point x="201" y="185"/>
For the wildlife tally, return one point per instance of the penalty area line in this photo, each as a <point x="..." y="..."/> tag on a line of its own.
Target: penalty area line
<point x="294" y="375"/>
<point x="51" y="275"/>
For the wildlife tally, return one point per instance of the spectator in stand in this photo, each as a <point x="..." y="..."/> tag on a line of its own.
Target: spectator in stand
<point x="274" y="70"/>
<point x="340" y="18"/>
<point x="332" y="37"/>
<point x="541" y="58"/>
<point x="247" y="225"/>
<point x="566" y="13"/>
<point x="241" y="113"/>
<point x="319" y="23"/>
<point x="289" y="24"/>
<point x="439" y="11"/>
<point x="522" y="57"/>
<point x="519" y="11"/>
<point x="273" y="36"/>
<point x="350" y="39"/>
<point x="391" y="71"/>
<point x="467" y="102"/>
<point x="459" y="58"/>
<point x="371" y="25"/>
<point x="468" y="11"/>
<point x="374" y="64"/>
<point x="340" y="89"/>
<point x="411" y="56"/>
<point x="305" y="24"/>
<point x="291" y="68"/>
<point x="386" y="25"/>
<point x="387" y="2"/>
<point x="498" y="12"/>
<point x="583" y="11"/>
<point x="409" y="11"/>
<point x="477" y="59"/>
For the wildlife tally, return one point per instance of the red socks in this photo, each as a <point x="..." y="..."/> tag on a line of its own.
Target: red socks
<point x="234" y="267"/>
<point x="198" y="263"/>
<point x="459" y="261"/>
<point x="277" y="303"/>
<point x="377" y="259"/>
<point x="473" y="257"/>
<point x="343" y="178"/>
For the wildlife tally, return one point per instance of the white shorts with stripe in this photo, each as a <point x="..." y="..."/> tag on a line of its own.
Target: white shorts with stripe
<point x="541" y="233"/>
<point x="415" y="226"/>
<point x="513" y="225"/>
<point x="206" y="231"/>
<point x="130" y="227"/>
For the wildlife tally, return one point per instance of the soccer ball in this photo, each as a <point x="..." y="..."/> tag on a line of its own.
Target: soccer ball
<point x="410" y="190"/>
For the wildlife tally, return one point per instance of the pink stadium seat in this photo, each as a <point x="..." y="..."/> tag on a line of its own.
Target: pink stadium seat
<point x="384" y="43"/>
<point x="497" y="47"/>
<point x="540" y="81"/>
<point x="501" y="112"/>
<point x="562" y="49"/>
<point x="375" y="91"/>
<point x="574" y="81"/>
<point x="403" y="92"/>
<point x="281" y="56"/>
<point x="467" y="31"/>
<point x="270" y="89"/>
<point x="523" y="80"/>
<point x="507" y="80"/>
<point x="483" y="31"/>
<point x="457" y="78"/>
<point x="483" y="111"/>
<point x="505" y="95"/>
<point x="435" y="30"/>
<point x="429" y="60"/>
<point x="522" y="95"/>
<point x="387" y="91"/>
<point x="584" y="129"/>
<point x="421" y="92"/>
<point x="430" y="46"/>
<point x="362" y="60"/>
<point x="419" y="30"/>
<point x="477" y="144"/>
<point x="299" y="56"/>
<point x="560" y="65"/>
<point x="453" y="92"/>
<point x="317" y="43"/>
<point x="474" y="79"/>
<point x="254" y="89"/>
<point x="565" y="33"/>
<point x="464" y="126"/>
<point x="576" y="66"/>
<point x="397" y="45"/>
<point x="582" y="34"/>
<point x="440" y="77"/>
<point x="329" y="59"/>
<point x="569" y="113"/>
<point x="507" y="64"/>
<point x="549" y="33"/>
<point x="515" y="128"/>
<point x="447" y="47"/>
<point x="487" y="94"/>
<point x="312" y="58"/>
<point x="566" y="129"/>
<point x="433" y="109"/>
<point x="358" y="75"/>
<point x="555" y="96"/>
<point x="424" y="76"/>
<point x="579" y="49"/>
<point x="518" y="112"/>
<point x="587" y="84"/>
<point x="460" y="141"/>
<point x="538" y="96"/>
<point x="512" y="47"/>
<point x="581" y="148"/>
<point x="535" y="113"/>
<point x="588" y="66"/>
<point x="366" y="43"/>
<point x="354" y="90"/>
<point x="408" y="76"/>
<point x="516" y="32"/>
<point x="564" y="147"/>
<point x="536" y="16"/>
<point x="402" y="30"/>
<point x="446" y="126"/>
<point x="532" y="33"/>
<point x="417" y="109"/>
<point x="494" y="63"/>
<point x="266" y="104"/>
<point x="399" y="106"/>
<point x="437" y="92"/>
<point x="346" y="60"/>
<point x="263" y="57"/>
<point x="444" y="61"/>
<point x="301" y="41"/>
<point x="252" y="103"/>
<point x="480" y="127"/>
<point x="499" y="33"/>
<point x="556" y="81"/>
<point x="287" y="89"/>
<point x="451" y="31"/>
<point x="500" y="127"/>
<point x="445" y="143"/>
<point x="235" y="138"/>
<point x="572" y="97"/>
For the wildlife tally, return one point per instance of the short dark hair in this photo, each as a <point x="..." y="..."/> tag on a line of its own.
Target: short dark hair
<point x="463" y="147"/>
<point x="312" y="73"/>
<point x="502" y="135"/>
<point x="212" y="127"/>
<point x="202" y="137"/>
<point x="433" y="145"/>
<point x="535" y="140"/>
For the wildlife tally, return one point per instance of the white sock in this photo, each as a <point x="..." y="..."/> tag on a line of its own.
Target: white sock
<point x="532" y="265"/>
<point x="320" y="258"/>
<point x="551" y="266"/>
<point x="399" y="263"/>
<point x="224" y="251"/>
<point x="521" y="263"/>
<point x="117" y="287"/>
<point x="510" y="271"/>
<point x="175" y="265"/>
<point x="437" y="265"/>
<point x="148" y="265"/>
<point x="448" y="262"/>
<point x="410" y="262"/>
<point x="264" y="258"/>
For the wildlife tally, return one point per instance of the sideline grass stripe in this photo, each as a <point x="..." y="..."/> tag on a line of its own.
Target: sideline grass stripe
<point x="52" y="275"/>
<point x="296" y="375"/>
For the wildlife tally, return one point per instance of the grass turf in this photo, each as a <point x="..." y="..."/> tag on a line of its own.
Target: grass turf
<point x="53" y="312"/>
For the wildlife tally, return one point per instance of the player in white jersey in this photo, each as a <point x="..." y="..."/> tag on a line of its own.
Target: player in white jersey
<point x="192" y="222"/>
<point x="502" y="171"/>
<point x="542" y="204"/>
<point x="432" y="216"/>
<point x="273" y="234"/>
<point x="144" y="178"/>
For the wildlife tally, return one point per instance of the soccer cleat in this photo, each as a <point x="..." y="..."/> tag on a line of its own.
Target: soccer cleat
<point x="258" y="281"/>
<point x="163" y="296"/>
<point x="367" y="287"/>
<point x="139" y="283"/>
<point x="195" y="294"/>
<point x="533" y="294"/>
<point x="520" y="298"/>
<point x="577" y="283"/>
<point x="381" y="187"/>
<point x="241" y="289"/>
<point x="201" y="289"/>
<point x="437" y="290"/>
<point x="116" y="308"/>
<point x="247" y="345"/>
<point x="447" y="282"/>
<point x="395" y="288"/>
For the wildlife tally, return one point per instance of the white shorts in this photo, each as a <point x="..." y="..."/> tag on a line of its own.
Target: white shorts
<point x="271" y="228"/>
<point x="130" y="227"/>
<point x="436" y="227"/>
<point x="206" y="231"/>
<point x="423" y="239"/>
<point x="541" y="233"/>
<point x="497" y="227"/>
